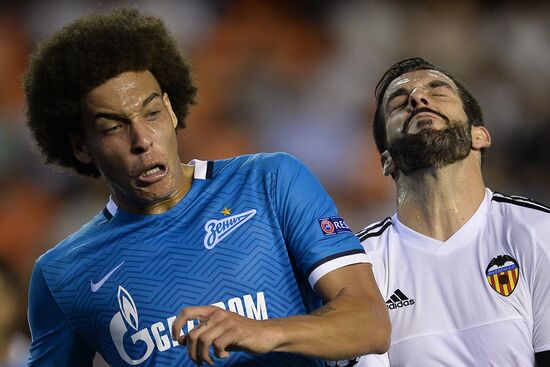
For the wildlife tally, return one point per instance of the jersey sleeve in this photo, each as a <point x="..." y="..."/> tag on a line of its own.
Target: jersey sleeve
<point x="54" y="343"/>
<point x="541" y="291"/>
<point x="318" y="239"/>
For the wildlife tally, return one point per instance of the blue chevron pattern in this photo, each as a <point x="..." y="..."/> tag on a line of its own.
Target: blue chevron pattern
<point x="167" y="267"/>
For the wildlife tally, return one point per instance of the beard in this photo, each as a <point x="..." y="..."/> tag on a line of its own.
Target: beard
<point x="430" y="148"/>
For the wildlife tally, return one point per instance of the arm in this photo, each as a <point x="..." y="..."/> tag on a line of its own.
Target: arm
<point x="54" y="342"/>
<point x="540" y="289"/>
<point x="354" y="321"/>
<point x="541" y="308"/>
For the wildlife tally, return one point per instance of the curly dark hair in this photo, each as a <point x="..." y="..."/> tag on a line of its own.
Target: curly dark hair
<point x="471" y="106"/>
<point x="84" y="55"/>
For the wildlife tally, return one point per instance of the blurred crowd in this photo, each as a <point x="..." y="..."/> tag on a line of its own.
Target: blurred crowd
<point x="295" y="76"/>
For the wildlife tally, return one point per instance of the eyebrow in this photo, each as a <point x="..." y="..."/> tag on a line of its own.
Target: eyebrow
<point x="116" y="117"/>
<point x="439" y="83"/>
<point x="150" y="98"/>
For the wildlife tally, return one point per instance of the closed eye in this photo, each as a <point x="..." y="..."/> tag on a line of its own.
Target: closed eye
<point x="397" y="103"/>
<point x="440" y="92"/>
<point x="439" y="87"/>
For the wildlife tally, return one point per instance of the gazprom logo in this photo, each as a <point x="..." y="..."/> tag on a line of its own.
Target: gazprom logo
<point x="135" y="346"/>
<point x="217" y="230"/>
<point x="128" y="308"/>
<point x="128" y="315"/>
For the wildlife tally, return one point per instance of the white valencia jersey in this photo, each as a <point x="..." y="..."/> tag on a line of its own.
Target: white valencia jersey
<point x="481" y="298"/>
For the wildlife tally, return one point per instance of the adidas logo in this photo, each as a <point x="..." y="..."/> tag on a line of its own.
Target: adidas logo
<point x="398" y="300"/>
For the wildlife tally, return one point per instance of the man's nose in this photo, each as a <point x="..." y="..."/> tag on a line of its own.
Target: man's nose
<point x="141" y="137"/>
<point x="418" y="98"/>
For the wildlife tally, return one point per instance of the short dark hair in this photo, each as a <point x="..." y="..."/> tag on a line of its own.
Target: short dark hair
<point x="471" y="106"/>
<point x="84" y="55"/>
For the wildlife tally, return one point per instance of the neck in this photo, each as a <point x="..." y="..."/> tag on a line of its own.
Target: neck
<point x="183" y="180"/>
<point x="438" y="202"/>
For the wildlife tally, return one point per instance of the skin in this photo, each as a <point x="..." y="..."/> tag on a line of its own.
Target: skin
<point x="434" y="202"/>
<point x="129" y="127"/>
<point x="354" y="321"/>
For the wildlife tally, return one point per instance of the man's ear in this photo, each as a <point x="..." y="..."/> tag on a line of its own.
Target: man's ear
<point x="481" y="138"/>
<point x="388" y="165"/>
<point x="170" y="110"/>
<point x="80" y="148"/>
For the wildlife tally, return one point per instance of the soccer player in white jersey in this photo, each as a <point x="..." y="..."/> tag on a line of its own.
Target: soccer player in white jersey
<point x="465" y="271"/>
<point x="236" y="262"/>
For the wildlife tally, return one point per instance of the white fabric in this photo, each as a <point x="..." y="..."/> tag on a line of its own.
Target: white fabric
<point x="111" y="206"/>
<point x="337" y="263"/>
<point x="457" y="318"/>
<point x="200" y="168"/>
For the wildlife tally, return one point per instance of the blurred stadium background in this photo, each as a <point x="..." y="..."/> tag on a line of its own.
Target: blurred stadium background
<point x="295" y="76"/>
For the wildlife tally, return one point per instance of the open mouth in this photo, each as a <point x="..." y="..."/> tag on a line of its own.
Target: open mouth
<point x="153" y="174"/>
<point x="153" y="170"/>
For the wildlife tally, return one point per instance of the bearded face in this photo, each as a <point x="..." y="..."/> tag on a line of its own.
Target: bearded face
<point x="431" y="148"/>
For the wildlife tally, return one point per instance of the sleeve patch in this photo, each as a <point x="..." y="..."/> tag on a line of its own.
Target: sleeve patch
<point x="333" y="225"/>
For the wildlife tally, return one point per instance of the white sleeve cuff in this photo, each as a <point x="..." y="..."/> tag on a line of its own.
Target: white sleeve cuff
<point x="337" y="263"/>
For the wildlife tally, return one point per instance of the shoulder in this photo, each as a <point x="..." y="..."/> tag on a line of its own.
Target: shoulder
<point x="262" y="160"/>
<point x="374" y="236"/>
<point x="259" y="163"/>
<point x="520" y="209"/>
<point x="72" y="247"/>
<point x="521" y="220"/>
<point x="64" y="265"/>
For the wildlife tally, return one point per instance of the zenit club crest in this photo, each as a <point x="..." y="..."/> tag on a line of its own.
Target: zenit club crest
<point x="503" y="274"/>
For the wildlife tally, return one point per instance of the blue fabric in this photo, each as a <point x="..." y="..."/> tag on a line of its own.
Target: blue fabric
<point x="54" y="340"/>
<point x="253" y="260"/>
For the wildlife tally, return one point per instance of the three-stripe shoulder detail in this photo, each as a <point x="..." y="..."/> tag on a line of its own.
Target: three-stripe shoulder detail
<point x="374" y="230"/>
<point x="520" y="201"/>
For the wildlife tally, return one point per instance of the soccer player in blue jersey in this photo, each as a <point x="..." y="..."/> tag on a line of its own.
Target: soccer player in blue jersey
<point x="243" y="261"/>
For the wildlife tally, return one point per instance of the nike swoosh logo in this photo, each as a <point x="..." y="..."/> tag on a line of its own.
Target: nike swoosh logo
<point x="95" y="286"/>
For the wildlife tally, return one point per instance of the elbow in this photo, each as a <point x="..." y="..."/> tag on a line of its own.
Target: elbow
<point x="375" y="339"/>
<point x="385" y="340"/>
<point x="378" y="332"/>
<point x="382" y="336"/>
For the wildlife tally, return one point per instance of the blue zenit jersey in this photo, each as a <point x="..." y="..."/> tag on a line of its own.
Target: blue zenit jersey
<point x="253" y="235"/>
